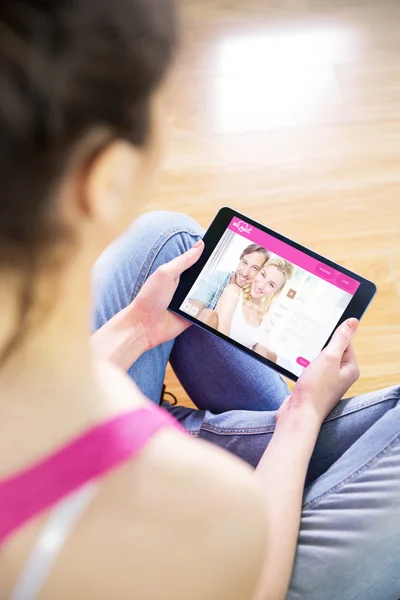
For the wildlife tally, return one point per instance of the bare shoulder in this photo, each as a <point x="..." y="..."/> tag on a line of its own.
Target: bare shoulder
<point x="232" y="289"/>
<point x="230" y="294"/>
<point x="182" y="509"/>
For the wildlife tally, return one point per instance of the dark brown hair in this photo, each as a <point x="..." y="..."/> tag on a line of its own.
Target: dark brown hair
<point x="255" y="248"/>
<point x="68" y="67"/>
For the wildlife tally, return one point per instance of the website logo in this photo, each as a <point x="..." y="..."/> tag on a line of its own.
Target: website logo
<point x="242" y="226"/>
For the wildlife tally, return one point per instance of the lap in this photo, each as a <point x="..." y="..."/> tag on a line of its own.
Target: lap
<point x="247" y="433"/>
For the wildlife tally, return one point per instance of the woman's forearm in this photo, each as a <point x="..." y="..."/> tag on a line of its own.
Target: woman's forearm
<point x="224" y="323"/>
<point x="260" y="349"/>
<point x="282" y="471"/>
<point x="226" y="307"/>
<point x="120" y="341"/>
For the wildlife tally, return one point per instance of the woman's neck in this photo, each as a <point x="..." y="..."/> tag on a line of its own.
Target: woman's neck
<point x="48" y="388"/>
<point x="257" y="302"/>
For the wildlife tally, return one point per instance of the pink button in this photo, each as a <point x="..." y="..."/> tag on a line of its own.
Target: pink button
<point x="303" y="362"/>
<point x="324" y="271"/>
<point x="345" y="283"/>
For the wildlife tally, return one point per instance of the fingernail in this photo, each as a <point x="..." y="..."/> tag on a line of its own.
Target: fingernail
<point x="197" y="244"/>
<point x="352" y="323"/>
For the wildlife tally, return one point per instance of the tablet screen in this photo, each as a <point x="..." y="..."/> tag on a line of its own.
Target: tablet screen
<point x="270" y="297"/>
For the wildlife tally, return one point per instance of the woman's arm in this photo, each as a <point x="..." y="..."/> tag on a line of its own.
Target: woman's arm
<point x="282" y="471"/>
<point x="260" y="349"/>
<point x="146" y="322"/>
<point x="283" y="467"/>
<point x="120" y="341"/>
<point x="226" y="307"/>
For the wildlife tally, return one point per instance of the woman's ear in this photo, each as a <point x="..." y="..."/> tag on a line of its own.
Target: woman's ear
<point x="108" y="181"/>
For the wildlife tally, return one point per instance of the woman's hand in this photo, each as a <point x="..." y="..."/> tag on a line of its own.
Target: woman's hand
<point x="146" y="322"/>
<point x="327" y="378"/>
<point x="148" y="311"/>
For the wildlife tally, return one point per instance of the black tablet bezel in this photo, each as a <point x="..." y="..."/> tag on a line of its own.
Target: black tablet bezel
<point x="357" y="307"/>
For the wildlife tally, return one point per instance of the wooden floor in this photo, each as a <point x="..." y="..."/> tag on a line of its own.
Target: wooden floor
<point x="289" y="111"/>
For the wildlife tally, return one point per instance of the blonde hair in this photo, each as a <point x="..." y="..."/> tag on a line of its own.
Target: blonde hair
<point x="287" y="270"/>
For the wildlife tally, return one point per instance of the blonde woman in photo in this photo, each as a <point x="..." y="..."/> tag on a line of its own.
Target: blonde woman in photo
<point x="240" y="311"/>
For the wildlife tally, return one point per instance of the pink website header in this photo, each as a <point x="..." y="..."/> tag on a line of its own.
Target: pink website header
<point x="313" y="266"/>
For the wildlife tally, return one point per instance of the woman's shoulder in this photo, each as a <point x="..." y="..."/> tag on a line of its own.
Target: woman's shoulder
<point x="182" y="504"/>
<point x="232" y="290"/>
<point x="198" y="502"/>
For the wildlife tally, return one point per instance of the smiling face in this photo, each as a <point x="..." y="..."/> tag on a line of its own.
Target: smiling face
<point x="249" y="266"/>
<point x="268" y="281"/>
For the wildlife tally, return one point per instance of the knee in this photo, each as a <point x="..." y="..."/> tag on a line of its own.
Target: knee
<point x="153" y="238"/>
<point x="160" y="223"/>
<point x="164" y="234"/>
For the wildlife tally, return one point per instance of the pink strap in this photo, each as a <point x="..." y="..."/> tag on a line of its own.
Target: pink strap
<point x="28" y="493"/>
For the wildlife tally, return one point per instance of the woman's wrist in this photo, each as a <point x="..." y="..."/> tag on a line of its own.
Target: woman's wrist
<point x="298" y="418"/>
<point x="120" y="341"/>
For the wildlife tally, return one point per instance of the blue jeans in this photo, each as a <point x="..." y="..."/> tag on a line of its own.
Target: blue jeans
<point x="349" y="541"/>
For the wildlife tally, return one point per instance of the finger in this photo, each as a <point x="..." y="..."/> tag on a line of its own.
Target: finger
<point x="343" y="337"/>
<point x="175" y="267"/>
<point x="349" y="367"/>
<point x="349" y="356"/>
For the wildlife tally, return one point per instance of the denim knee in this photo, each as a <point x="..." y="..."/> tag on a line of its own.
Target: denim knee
<point x="160" y="222"/>
<point x="153" y="239"/>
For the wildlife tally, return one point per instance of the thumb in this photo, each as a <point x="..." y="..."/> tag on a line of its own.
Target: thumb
<point x="343" y="337"/>
<point x="179" y="264"/>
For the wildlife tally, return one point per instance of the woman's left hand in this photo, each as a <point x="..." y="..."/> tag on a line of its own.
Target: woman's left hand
<point x="148" y="311"/>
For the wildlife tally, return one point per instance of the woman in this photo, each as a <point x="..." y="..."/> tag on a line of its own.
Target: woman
<point x="102" y="495"/>
<point x="240" y="311"/>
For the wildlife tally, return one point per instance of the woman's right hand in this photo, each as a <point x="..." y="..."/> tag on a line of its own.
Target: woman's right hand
<point x="327" y="378"/>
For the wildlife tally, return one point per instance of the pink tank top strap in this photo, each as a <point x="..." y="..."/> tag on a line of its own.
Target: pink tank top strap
<point x="28" y="493"/>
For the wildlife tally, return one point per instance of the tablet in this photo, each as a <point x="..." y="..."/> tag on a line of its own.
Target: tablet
<point x="267" y="295"/>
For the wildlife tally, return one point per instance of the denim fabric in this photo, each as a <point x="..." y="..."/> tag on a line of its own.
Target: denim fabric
<point x="349" y="542"/>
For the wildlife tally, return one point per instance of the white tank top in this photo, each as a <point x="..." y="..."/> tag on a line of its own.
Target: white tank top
<point x="241" y="331"/>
